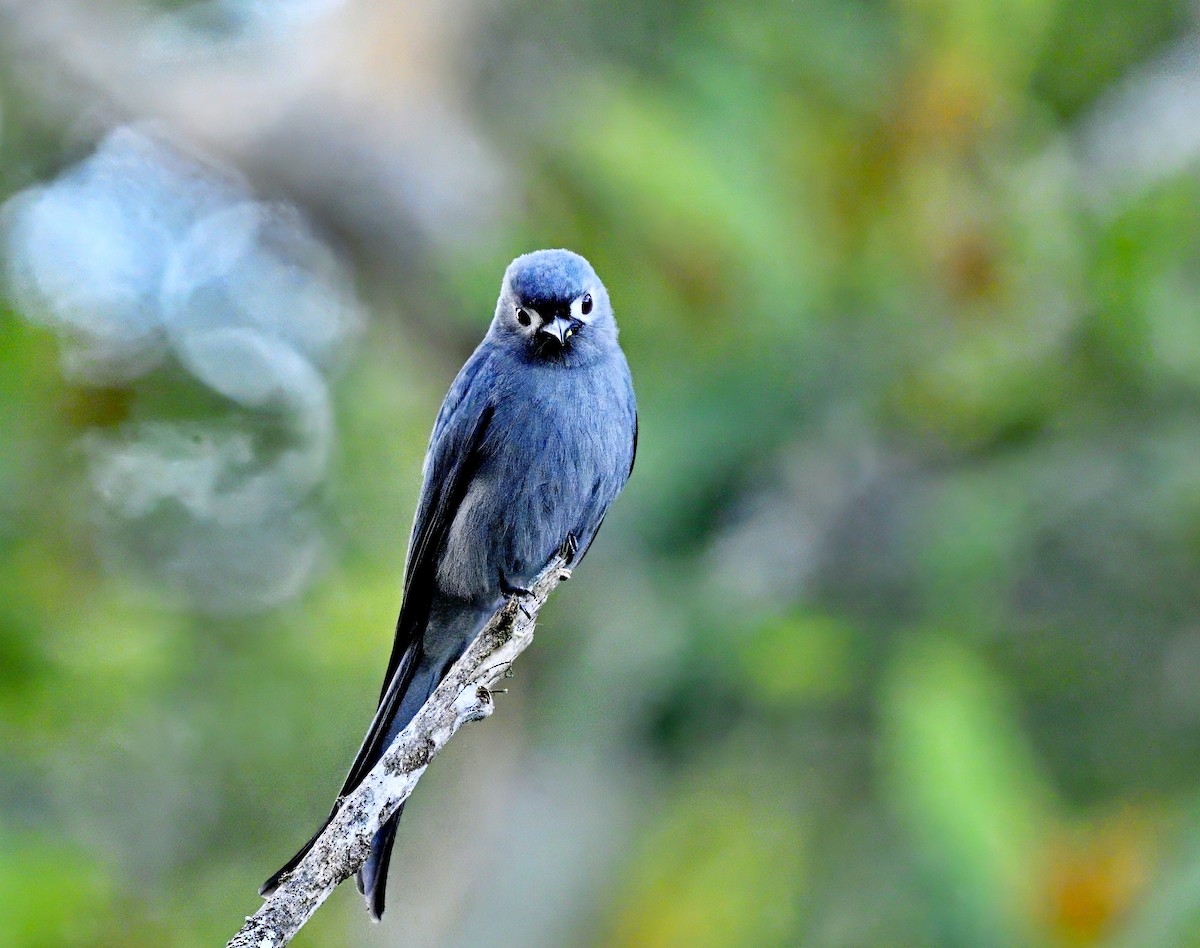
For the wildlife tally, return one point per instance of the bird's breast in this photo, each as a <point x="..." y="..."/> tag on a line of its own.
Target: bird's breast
<point x="555" y="455"/>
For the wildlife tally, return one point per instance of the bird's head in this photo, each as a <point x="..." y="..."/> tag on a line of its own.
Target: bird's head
<point x="553" y="307"/>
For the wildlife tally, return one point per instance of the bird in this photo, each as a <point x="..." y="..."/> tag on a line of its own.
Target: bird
<point x="534" y="441"/>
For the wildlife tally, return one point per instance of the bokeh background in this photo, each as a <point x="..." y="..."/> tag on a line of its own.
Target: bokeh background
<point x="894" y="637"/>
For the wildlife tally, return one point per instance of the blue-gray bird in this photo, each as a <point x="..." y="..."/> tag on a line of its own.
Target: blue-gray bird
<point x="534" y="441"/>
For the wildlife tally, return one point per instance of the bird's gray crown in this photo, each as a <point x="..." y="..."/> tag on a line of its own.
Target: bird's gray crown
<point x="553" y="276"/>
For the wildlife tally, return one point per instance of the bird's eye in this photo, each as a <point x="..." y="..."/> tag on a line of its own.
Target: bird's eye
<point x="523" y="316"/>
<point x="585" y="306"/>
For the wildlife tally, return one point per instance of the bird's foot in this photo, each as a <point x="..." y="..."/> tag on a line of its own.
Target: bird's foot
<point x="511" y="589"/>
<point x="517" y="594"/>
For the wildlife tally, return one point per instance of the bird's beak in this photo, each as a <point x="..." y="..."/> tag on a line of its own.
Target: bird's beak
<point x="560" y="328"/>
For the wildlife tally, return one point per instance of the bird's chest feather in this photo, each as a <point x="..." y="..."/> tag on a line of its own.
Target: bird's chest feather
<point x="555" y="455"/>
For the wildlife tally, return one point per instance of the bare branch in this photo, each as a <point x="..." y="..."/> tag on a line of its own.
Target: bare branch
<point x="464" y="695"/>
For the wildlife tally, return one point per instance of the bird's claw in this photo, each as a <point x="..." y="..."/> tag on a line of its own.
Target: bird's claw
<point x="511" y="589"/>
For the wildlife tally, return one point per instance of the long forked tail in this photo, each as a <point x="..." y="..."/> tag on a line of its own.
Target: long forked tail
<point x="273" y="883"/>
<point x="372" y="877"/>
<point x="416" y="677"/>
<point x="383" y="728"/>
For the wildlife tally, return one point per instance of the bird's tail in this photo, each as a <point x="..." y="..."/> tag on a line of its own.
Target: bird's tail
<point x="273" y="883"/>
<point x="417" y="675"/>
<point x="448" y="633"/>
<point x="398" y="705"/>
<point x="372" y="877"/>
<point x="415" y="693"/>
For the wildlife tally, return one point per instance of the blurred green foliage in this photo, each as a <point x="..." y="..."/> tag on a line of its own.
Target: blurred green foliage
<point x="894" y="637"/>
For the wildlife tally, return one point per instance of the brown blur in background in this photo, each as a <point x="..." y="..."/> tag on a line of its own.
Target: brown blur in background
<point x="892" y="640"/>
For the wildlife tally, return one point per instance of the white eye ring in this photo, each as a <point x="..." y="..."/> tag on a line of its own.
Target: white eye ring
<point x="525" y="316"/>
<point x="583" y="307"/>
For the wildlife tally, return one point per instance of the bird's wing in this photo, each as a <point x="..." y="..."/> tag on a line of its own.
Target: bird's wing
<point x="633" y="445"/>
<point x="450" y="466"/>
<point x="588" y="532"/>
